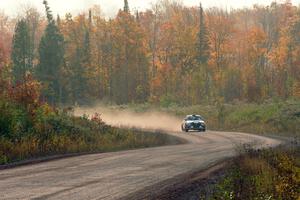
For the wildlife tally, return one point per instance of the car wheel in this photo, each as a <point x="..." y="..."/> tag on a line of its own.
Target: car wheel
<point x="186" y="130"/>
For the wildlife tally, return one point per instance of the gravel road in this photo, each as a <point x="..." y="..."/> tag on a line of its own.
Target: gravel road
<point x="117" y="175"/>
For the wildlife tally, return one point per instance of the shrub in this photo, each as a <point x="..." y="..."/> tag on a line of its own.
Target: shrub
<point x="13" y="121"/>
<point x="46" y="131"/>
<point x="166" y="101"/>
<point x="262" y="174"/>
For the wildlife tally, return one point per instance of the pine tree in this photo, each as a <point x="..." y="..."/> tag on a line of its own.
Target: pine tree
<point x="202" y="58"/>
<point x="137" y="17"/>
<point x="51" y="57"/>
<point x="126" y="6"/>
<point x="90" y="18"/>
<point x="203" y="46"/>
<point x="48" y="11"/>
<point x="58" y="21"/>
<point x="32" y="18"/>
<point x="83" y="67"/>
<point x="21" y="53"/>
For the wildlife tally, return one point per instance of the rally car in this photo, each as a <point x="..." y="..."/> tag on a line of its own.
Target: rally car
<point x="193" y="122"/>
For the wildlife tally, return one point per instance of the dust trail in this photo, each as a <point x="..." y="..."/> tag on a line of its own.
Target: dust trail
<point x="126" y="118"/>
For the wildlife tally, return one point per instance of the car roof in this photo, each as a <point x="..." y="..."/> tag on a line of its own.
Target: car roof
<point x="193" y="116"/>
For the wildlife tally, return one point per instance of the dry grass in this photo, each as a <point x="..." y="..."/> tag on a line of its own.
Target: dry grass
<point x="263" y="174"/>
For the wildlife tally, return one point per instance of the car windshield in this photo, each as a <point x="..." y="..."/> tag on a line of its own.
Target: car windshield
<point x="193" y="118"/>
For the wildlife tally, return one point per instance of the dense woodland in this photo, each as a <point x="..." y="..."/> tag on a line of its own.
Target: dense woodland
<point x="167" y="54"/>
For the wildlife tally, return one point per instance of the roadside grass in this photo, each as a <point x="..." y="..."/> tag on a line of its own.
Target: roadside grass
<point x="111" y="140"/>
<point x="281" y="118"/>
<point x="262" y="174"/>
<point x="273" y="117"/>
<point x="45" y="131"/>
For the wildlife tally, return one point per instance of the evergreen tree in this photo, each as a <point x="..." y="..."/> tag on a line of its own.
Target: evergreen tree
<point x="126" y="6"/>
<point x="202" y="58"/>
<point x="203" y="46"/>
<point x="21" y="53"/>
<point x="51" y="57"/>
<point x="81" y="70"/>
<point x="90" y="18"/>
<point x="137" y="17"/>
<point x="32" y="18"/>
<point x="48" y="11"/>
<point x="58" y="21"/>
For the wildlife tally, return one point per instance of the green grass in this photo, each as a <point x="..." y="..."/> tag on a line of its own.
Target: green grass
<point x="277" y="118"/>
<point x="274" y="118"/>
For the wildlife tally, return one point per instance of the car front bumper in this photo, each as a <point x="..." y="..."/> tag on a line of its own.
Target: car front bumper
<point x="196" y="127"/>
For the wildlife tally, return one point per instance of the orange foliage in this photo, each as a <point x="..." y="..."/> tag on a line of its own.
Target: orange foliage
<point x="257" y="44"/>
<point x="296" y="89"/>
<point x="27" y="93"/>
<point x="279" y="55"/>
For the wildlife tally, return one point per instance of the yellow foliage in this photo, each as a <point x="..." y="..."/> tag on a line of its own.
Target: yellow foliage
<point x="296" y="89"/>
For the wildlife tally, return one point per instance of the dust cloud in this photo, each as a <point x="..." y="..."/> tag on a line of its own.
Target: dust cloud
<point x="125" y="118"/>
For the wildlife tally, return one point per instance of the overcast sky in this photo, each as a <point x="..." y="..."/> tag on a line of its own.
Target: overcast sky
<point x="110" y="7"/>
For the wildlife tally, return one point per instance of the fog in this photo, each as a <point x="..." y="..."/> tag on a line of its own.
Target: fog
<point x="123" y="117"/>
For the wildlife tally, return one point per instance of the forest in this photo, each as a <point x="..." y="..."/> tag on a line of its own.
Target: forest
<point x="239" y="68"/>
<point x="170" y="54"/>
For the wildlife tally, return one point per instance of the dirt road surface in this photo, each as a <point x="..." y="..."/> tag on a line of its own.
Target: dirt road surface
<point x="117" y="175"/>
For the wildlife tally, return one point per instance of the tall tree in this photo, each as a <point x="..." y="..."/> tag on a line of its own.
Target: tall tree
<point x="203" y="41"/>
<point x="202" y="58"/>
<point x="21" y="52"/>
<point x="48" y="11"/>
<point x="33" y="20"/>
<point x="295" y="68"/>
<point x="126" y="6"/>
<point x="51" y="57"/>
<point x="82" y="67"/>
<point x="172" y="54"/>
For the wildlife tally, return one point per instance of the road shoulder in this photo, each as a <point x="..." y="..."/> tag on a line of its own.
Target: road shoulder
<point x="185" y="186"/>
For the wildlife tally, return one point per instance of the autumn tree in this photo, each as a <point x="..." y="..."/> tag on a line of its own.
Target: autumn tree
<point x="295" y="47"/>
<point x="3" y="70"/>
<point x="6" y="30"/>
<point x="131" y="67"/>
<point x="221" y="30"/>
<point x="80" y="66"/>
<point x="103" y="55"/>
<point x="256" y="56"/>
<point x="170" y="54"/>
